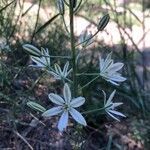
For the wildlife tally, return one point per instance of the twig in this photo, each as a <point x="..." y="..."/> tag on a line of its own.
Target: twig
<point x="23" y="139"/>
<point x="37" y="19"/>
<point x="6" y="6"/>
<point x="46" y="24"/>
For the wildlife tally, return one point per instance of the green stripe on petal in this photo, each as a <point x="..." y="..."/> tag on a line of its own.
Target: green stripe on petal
<point x="63" y="121"/>
<point x="113" y="116"/>
<point x="117" y="113"/>
<point x="56" y="99"/>
<point x="67" y="93"/>
<point x="76" y="102"/>
<point x="52" y="111"/>
<point x="110" y="98"/>
<point x="77" y="116"/>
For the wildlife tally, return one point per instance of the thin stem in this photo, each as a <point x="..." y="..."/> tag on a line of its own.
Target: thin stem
<point x="37" y="19"/>
<point x="94" y="110"/>
<point x="87" y="74"/>
<point x="72" y="40"/>
<point x="89" y="82"/>
<point x="66" y="3"/>
<point x="88" y="38"/>
<point x="76" y="9"/>
<point x="63" y="57"/>
<point x="65" y="24"/>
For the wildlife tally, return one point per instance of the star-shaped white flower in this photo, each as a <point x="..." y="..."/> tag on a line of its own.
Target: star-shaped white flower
<point x="60" y="74"/>
<point x="108" y="70"/>
<point x="43" y="61"/>
<point x="110" y="106"/>
<point x="65" y="107"/>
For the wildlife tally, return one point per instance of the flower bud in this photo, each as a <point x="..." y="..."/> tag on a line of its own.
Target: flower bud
<point x="60" y="5"/>
<point x="32" y="50"/>
<point x="103" y="22"/>
<point x="74" y="3"/>
<point x="36" y="106"/>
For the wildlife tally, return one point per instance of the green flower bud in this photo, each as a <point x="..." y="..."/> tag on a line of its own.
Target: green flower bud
<point x="36" y="106"/>
<point x="103" y="22"/>
<point x="60" y="5"/>
<point x="74" y="3"/>
<point x="32" y="50"/>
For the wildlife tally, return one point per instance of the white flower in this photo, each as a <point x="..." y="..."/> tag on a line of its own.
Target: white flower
<point x="59" y="73"/>
<point x="108" y="70"/>
<point x="65" y="107"/>
<point x="110" y="106"/>
<point x="43" y="61"/>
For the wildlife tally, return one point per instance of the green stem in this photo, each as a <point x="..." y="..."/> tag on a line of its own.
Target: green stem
<point x="88" y="38"/>
<point x="89" y="82"/>
<point x="65" y="24"/>
<point x="87" y="74"/>
<point x="63" y="57"/>
<point x="94" y="110"/>
<point x="72" y="40"/>
<point x="76" y="9"/>
<point x="66" y="3"/>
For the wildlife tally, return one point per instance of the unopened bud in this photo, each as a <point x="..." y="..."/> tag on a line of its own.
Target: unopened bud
<point x="103" y="22"/>
<point x="74" y="3"/>
<point x="32" y="50"/>
<point x="36" y="106"/>
<point x="61" y="7"/>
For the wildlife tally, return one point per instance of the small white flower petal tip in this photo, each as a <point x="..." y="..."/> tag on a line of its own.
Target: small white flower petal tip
<point x="60" y="74"/>
<point x="110" y="106"/>
<point x="108" y="70"/>
<point x="66" y="106"/>
<point x="43" y="61"/>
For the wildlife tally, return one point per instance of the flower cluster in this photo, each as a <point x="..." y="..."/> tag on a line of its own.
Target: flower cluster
<point x="67" y="104"/>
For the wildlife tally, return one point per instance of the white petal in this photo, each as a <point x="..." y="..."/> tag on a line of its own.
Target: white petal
<point x="110" y="98"/>
<point x="56" y="76"/>
<point x="108" y="58"/>
<point x="58" y="69"/>
<point x="116" y="77"/>
<point x="65" y="68"/>
<point x="56" y="99"/>
<point x="76" y="102"/>
<point x="63" y="121"/>
<point x="116" y="113"/>
<point x="101" y="63"/>
<point x="67" y="93"/>
<point x="115" y="83"/>
<point x="115" y="67"/>
<point x="39" y="61"/>
<point x="77" y="116"/>
<point x="67" y="73"/>
<point x="117" y="104"/>
<point x="113" y="116"/>
<point x="36" y="60"/>
<point x="52" y="111"/>
<point x="46" y="56"/>
<point x="108" y="62"/>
